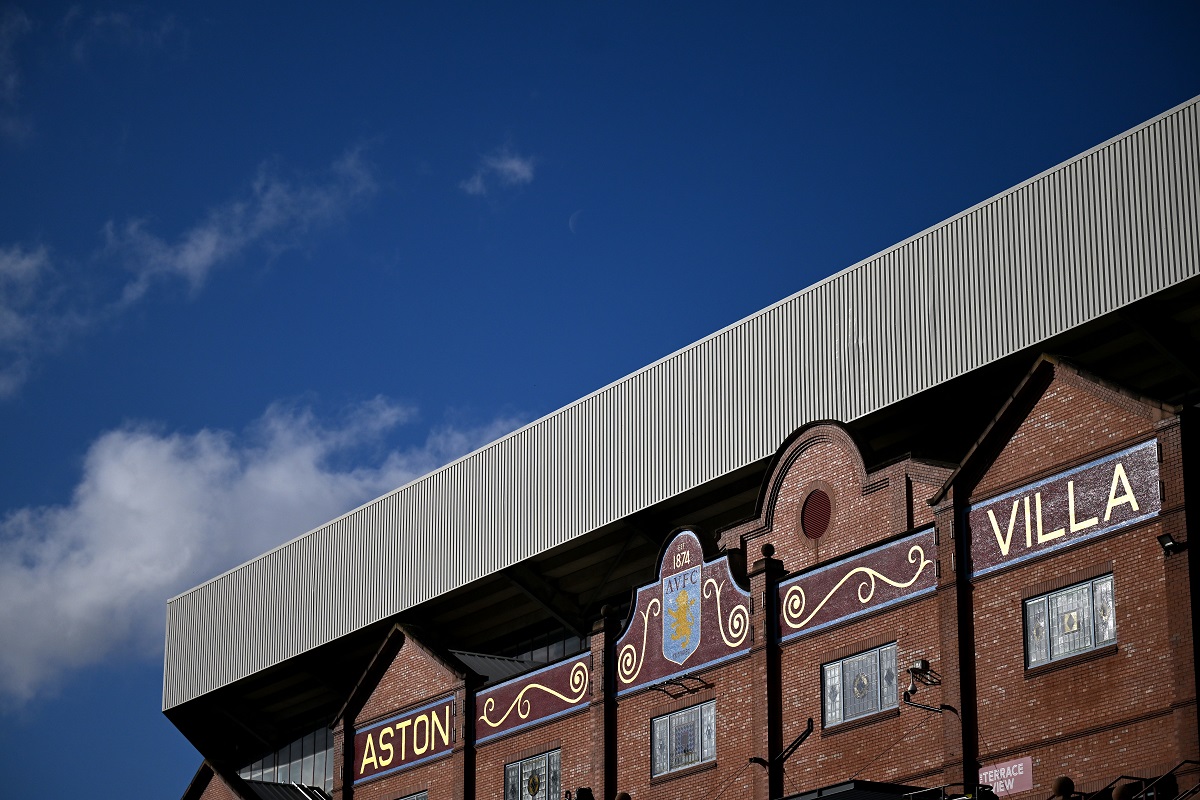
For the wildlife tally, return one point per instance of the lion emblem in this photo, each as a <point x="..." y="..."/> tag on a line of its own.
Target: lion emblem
<point x="682" y="620"/>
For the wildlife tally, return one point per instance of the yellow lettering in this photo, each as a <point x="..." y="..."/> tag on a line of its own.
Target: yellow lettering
<point x="1028" y="527"/>
<point x="444" y="727"/>
<point x="368" y="755"/>
<point x="1005" y="542"/>
<point x="400" y="726"/>
<point x="1113" y="500"/>
<point x="383" y="762"/>
<point x="1076" y="527"/>
<point x="420" y="748"/>
<point x="1054" y="534"/>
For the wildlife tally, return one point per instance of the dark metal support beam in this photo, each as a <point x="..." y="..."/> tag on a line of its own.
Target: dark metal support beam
<point x="557" y="603"/>
<point x="1166" y="336"/>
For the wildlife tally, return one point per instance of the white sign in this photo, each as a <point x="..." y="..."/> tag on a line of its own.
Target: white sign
<point x="1009" y="777"/>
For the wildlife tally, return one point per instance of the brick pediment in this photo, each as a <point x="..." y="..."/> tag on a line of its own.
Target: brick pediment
<point x="1059" y="418"/>
<point x="819" y="502"/>
<point x="414" y="675"/>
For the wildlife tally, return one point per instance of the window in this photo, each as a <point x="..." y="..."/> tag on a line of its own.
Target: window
<point x="417" y="796"/>
<point x="683" y="739"/>
<point x="860" y="685"/>
<point x="534" y="778"/>
<point x="1069" y="621"/>
<point x="307" y="761"/>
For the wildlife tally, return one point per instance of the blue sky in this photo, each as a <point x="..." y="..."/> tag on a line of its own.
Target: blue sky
<point x="260" y="264"/>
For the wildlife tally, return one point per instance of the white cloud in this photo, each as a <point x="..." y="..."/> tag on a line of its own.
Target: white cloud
<point x="14" y="24"/>
<point x="474" y="184"/>
<point x="20" y="271"/>
<point x="126" y="29"/>
<point x="155" y="513"/>
<point x="273" y="215"/>
<point x="503" y="166"/>
<point x="42" y="306"/>
<point x="22" y="274"/>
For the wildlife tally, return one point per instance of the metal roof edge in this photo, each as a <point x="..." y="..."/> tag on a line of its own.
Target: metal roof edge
<point x="699" y="342"/>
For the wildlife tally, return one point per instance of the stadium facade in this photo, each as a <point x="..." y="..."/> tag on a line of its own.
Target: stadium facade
<point x="919" y="530"/>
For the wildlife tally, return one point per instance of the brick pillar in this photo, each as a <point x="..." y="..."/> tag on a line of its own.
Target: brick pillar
<point x="463" y="752"/>
<point x="957" y="667"/>
<point x="765" y="674"/>
<point x="603" y="708"/>
<point x="1180" y="475"/>
<point x="343" y="756"/>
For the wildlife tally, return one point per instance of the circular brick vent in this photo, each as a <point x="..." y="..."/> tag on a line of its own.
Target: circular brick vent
<point x="814" y="515"/>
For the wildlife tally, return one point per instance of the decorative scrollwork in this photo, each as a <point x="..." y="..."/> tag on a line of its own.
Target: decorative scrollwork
<point x="739" y="616"/>
<point x="629" y="660"/>
<point x="794" y="599"/>
<point x="577" y="682"/>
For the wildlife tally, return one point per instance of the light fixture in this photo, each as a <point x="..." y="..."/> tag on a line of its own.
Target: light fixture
<point x="1167" y="542"/>
<point x="921" y="673"/>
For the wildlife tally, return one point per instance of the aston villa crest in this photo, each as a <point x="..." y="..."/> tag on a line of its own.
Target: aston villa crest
<point x="681" y="594"/>
<point x="694" y="615"/>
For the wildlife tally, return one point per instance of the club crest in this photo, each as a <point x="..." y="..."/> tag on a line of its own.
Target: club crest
<point x="681" y="595"/>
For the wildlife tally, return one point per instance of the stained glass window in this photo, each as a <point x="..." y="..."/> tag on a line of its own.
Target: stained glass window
<point x="683" y="738"/>
<point x="1069" y="621"/>
<point x="536" y="778"/>
<point x="860" y="685"/>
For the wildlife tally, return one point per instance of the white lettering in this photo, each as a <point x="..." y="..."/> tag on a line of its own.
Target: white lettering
<point x="1005" y="542"/>
<point x="400" y="726"/>
<point x="420" y="748"/>
<point x="368" y="756"/>
<point x="1028" y="527"/>
<point x="383" y="762"/>
<point x="1076" y="527"/>
<point x="1127" y="497"/>
<point x="444" y="727"/>
<point x="1054" y="534"/>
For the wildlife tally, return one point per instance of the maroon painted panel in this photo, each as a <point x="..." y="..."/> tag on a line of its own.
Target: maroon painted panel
<point x="537" y="697"/>
<point x="404" y="740"/>
<point x="867" y="582"/>
<point x="693" y="616"/>
<point x="1065" y="509"/>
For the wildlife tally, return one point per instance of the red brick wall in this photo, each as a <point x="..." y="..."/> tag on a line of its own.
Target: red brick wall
<point x="903" y="746"/>
<point x="734" y="711"/>
<point x="415" y="677"/>
<point x="1130" y="710"/>
<point x="1018" y="709"/>
<point x="1071" y="422"/>
<point x="441" y="778"/>
<point x="217" y="789"/>
<point x="1098" y="716"/>
<point x="570" y="734"/>
<point x="867" y="508"/>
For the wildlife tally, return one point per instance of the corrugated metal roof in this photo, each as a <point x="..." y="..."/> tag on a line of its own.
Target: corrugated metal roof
<point x="1083" y="239"/>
